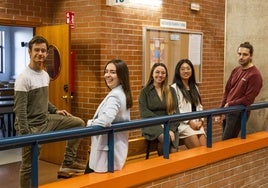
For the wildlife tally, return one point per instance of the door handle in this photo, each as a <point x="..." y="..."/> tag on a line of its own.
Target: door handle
<point x="65" y="97"/>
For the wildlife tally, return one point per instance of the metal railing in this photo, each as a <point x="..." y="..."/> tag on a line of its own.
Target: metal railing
<point x="34" y="140"/>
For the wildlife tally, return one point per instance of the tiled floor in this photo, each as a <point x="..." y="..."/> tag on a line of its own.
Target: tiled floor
<point x="9" y="174"/>
<point x="10" y="165"/>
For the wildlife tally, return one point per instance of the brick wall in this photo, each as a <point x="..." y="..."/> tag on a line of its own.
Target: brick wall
<point x="102" y="33"/>
<point x="26" y="12"/>
<point x="247" y="170"/>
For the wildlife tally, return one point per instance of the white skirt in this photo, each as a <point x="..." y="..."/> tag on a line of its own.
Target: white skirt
<point x="189" y="132"/>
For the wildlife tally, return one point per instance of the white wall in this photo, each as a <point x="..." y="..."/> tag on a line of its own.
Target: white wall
<point x="247" y="20"/>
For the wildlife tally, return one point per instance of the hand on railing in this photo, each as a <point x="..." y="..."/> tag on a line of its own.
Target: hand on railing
<point x="195" y="124"/>
<point x="219" y="119"/>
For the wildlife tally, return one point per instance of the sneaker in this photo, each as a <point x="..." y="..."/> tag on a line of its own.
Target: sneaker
<point x="73" y="167"/>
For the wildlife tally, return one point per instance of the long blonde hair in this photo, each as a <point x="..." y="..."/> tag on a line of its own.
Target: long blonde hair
<point x="170" y="105"/>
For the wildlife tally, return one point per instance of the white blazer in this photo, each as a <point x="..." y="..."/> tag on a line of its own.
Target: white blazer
<point x="111" y="110"/>
<point x="184" y="107"/>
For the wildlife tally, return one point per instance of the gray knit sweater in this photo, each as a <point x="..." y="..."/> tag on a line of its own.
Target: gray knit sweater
<point x="31" y="100"/>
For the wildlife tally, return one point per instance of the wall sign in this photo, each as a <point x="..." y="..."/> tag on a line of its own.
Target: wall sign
<point x="172" y="24"/>
<point x="70" y="19"/>
<point x="116" y="2"/>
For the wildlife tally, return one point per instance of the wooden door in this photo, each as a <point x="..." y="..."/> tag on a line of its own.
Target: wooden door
<point x="58" y="37"/>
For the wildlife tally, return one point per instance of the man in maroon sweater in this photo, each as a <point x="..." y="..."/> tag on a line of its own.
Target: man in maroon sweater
<point x="242" y="87"/>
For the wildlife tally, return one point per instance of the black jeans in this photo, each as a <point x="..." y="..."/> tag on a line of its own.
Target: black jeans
<point x="231" y="125"/>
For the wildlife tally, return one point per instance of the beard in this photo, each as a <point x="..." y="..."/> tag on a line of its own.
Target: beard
<point x="244" y="63"/>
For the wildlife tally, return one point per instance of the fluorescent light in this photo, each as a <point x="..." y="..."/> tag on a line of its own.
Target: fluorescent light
<point x="147" y="2"/>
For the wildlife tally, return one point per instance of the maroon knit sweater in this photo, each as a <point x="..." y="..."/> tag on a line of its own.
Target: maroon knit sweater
<point x="242" y="86"/>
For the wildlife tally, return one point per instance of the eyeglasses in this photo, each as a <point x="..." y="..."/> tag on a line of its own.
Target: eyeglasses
<point x="185" y="69"/>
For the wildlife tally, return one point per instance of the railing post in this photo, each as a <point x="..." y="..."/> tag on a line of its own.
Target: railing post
<point x="166" y="140"/>
<point x="34" y="171"/>
<point x="34" y="140"/>
<point x="243" y="123"/>
<point x="209" y="131"/>
<point x="111" y="151"/>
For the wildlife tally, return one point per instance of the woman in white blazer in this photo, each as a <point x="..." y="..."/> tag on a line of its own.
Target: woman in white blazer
<point x="115" y="107"/>
<point x="189" y="100"/>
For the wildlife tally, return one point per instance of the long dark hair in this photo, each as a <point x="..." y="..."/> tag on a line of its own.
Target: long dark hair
<point x="193" y="96"/>
<point x="123" y="76"/>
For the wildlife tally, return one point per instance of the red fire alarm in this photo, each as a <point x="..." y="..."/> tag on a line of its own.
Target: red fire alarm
<point x="70" y="19"/>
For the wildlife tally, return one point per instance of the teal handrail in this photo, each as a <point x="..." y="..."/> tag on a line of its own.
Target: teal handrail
<point x="34" y="140"/>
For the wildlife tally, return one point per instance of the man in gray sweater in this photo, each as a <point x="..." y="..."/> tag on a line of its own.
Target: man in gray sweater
<point x="35" y="114"/>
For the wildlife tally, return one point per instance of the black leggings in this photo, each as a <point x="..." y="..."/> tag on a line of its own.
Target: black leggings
<point x="88" y="170"/>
